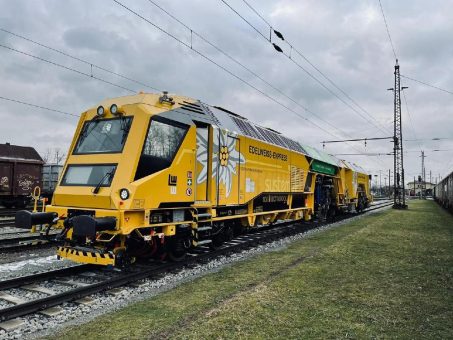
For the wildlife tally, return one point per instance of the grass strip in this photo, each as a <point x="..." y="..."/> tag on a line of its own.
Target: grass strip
<point x="385" y="275"/>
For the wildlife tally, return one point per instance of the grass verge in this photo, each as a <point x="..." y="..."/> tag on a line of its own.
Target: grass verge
<point x="385" y="275"/>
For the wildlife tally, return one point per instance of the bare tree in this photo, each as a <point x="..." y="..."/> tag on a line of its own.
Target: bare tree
<point x="46" y="155"/>
<point x="58" y="155"/>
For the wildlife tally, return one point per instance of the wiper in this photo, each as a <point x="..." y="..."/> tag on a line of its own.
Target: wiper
<point x="125" y="127"/>
<point x="98" y="186"/>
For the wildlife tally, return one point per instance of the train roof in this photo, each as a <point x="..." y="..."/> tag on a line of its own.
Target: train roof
<point x="234" y="122"/>
<point x="192" y="109"/>
<point x="19" y="153"/>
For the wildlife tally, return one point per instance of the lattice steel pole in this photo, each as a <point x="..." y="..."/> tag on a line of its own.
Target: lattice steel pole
<point x="399" y="193"/>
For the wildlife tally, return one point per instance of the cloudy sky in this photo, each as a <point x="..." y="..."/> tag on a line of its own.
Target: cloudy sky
<point x="345" y="40"/>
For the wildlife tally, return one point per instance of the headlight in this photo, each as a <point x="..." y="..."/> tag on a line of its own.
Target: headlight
<point x="124" y="194"/>
<point x="100" y="110"/>
<point x="114" y="109"/>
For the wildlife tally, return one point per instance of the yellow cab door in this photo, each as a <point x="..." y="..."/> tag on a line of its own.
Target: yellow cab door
<point x="228" y="156"/>
<point x="202" y="165"/>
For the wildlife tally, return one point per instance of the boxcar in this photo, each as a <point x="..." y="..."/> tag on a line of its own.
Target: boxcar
<point x="443" y="192"/>
<point x="50" y="175"/>
<point x="20" y="173"/>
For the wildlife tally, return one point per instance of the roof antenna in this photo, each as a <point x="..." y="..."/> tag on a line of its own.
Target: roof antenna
<point x="166" y="99"/>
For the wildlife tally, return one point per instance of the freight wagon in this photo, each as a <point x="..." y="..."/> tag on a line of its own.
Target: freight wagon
<point x="20" y="173"/>
<point x="50" y="174"/>
<point x="443" y="192"/>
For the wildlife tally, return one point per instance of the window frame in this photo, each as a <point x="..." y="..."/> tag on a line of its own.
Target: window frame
<point x="102" y="153"/>
<point x="63" y="178"/>
<point x="168" y="122"/>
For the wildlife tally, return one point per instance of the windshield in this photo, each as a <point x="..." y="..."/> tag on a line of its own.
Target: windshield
<point x="103" y="136"/>
<point x="89" y="175"/>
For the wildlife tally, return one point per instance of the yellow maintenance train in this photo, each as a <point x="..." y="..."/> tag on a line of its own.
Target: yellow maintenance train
<point x="154" y="175"/>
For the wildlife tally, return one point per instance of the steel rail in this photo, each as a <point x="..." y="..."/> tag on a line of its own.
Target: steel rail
<point x="136" y="273"/>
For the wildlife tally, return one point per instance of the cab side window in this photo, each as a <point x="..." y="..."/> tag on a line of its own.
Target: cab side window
<point x="162" y="142"/>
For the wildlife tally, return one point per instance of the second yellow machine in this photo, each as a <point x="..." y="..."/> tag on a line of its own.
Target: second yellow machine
<point x="153" y="175"/>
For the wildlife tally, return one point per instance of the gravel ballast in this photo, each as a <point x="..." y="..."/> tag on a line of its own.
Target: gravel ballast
<point x="37" y="325"/>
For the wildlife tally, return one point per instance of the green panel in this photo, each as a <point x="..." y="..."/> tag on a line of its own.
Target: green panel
<point x="321" y="155"/>
<point x="323" y="168"/>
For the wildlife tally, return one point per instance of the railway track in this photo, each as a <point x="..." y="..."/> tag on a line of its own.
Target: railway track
<point x="4" y="212"/>
<point x="104" y="279"/>
<point x="7" y="223"/>
<point x="22" y="243"/>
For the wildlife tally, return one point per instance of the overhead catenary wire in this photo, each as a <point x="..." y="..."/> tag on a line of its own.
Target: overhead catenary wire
<point x="410" y="120"/>
<point x="114" y="84"/>
<point x="428" y="139"/>
<point x="72" y="70"/>
<point x="79" y="59"/>
<point x="38" y="106"/>
<point x="426" y="84"/>
<point x="363" y="154"/>
<point x="80" y="72"/>
<point x="297" y="51"/>
<point x="193" y="32"/>
<point x="221" y="67"/>
<point x="384" y="131"/>
<point x="65" y="67"/>
<point x="287" y="55"/>
<point x="387" y="28"/>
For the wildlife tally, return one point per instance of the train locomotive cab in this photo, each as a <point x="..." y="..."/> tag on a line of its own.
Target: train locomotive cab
<point x="117" y="172"/>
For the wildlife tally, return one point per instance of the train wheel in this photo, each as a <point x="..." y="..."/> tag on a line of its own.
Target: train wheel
<point x="122" y="259"/>
<point x="177" y="249"/>
<point x="219" y="237"/>
<point x="229" y="233"/>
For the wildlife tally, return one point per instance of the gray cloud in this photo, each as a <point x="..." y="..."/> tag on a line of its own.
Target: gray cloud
<point x="346" y="40"/>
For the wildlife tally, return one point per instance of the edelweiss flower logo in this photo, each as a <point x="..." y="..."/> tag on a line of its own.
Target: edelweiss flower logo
<point x="228" y="157"/>
<point x="224" y="155"/>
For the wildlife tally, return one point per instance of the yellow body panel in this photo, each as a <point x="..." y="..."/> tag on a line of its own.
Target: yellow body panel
<point x="80" y="256"/>
<point x="216" y="173"/>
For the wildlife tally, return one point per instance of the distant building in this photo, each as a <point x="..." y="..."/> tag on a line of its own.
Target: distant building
<point x="415" y="188"/>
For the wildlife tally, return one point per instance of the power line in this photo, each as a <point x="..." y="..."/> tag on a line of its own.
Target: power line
<point x="301" y="67"/>
<point x="248" y="22"/>
<point x="133" y="91"/>
<point x="333" y="93"/>
<point x="256" y="12"/>
<point x="426" y="84"/>
<point x="222" y="67"/>
<point x="356" y="140"/>
<point x="38" y="106"/>
<point x="72" y="70"/>
<point x="427" y="139"/>
<point x="388" y="31"/>
<point x="243" y="66"/>
<point x="312" y="65"/>
<point x="79" y="59"/>
<point x="363" y="154"/>
<point x="410" y="119"/>
<point x="65" y="67"/>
